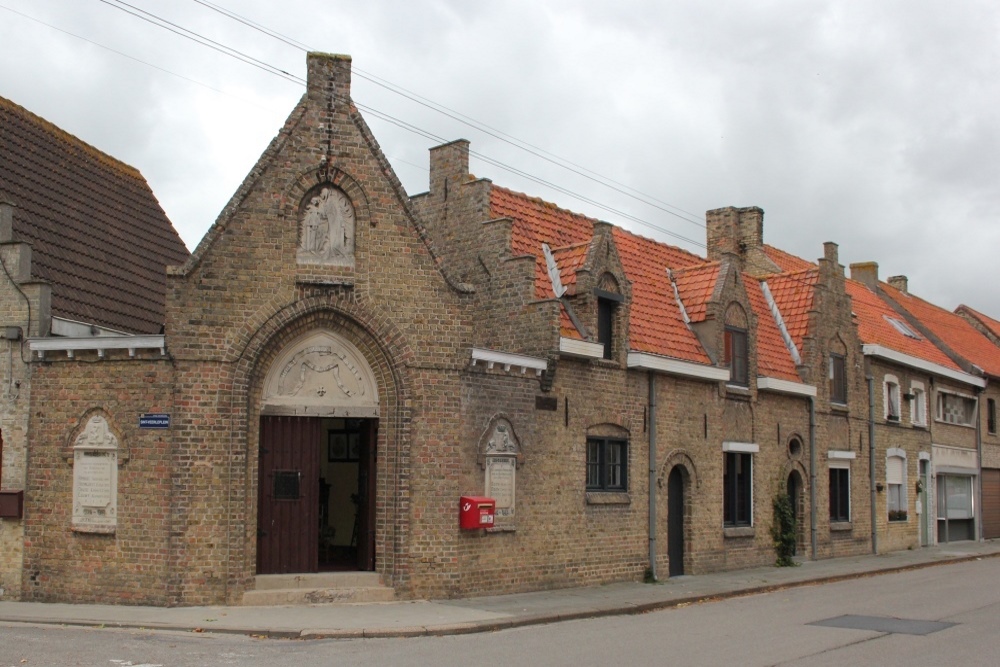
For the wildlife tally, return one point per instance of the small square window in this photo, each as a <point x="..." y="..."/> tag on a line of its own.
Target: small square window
<point x="736" y="356"/>
<point x="607" y="464"/>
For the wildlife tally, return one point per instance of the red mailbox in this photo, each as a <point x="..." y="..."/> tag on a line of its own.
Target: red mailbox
<point x="476" y="512"/>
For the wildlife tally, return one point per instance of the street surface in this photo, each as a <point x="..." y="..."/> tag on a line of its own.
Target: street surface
<point x="771" y="629"/>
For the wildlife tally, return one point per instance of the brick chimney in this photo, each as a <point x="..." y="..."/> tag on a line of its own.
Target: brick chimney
<point x="449" y="166"/>
<point x="739" y="232"/>
<point x="900" y="283"/>
<point x="865" y="272"/>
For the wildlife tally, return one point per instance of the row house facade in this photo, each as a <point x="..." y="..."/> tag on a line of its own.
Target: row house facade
<point x="342" y="362"/>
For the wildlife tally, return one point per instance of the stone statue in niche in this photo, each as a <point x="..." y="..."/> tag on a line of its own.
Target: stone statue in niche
<point x="327" y="228"/>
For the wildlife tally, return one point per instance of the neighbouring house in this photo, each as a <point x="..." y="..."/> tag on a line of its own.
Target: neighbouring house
<point x="83" y="246"/>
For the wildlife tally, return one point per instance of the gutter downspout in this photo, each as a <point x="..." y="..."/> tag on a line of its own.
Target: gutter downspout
<point x="652" y="475"/>
<point x="812" y="476"/>
<point x="979" y="473"/>
<point x="871" y="458"/>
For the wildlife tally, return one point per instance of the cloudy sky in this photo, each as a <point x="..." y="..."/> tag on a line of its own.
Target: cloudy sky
<point x="871" y="124"/>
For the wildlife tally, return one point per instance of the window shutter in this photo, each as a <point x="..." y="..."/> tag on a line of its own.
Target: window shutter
<point x="894" y="470"/>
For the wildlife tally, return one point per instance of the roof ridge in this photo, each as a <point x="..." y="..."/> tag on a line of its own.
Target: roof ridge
<point x="61" y="134"/>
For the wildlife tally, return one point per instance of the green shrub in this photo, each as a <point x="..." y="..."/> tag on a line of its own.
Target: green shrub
<point x="783" y="530"/>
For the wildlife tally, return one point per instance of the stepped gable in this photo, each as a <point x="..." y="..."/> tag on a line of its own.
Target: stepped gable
<point x="773" y="358"/>
<point x="875" y="329"/>
<point x="97" y="232"/>
<point x="951" y="329"/>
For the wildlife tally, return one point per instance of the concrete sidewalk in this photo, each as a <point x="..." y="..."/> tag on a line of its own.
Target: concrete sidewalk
<point x="408" y="619"/>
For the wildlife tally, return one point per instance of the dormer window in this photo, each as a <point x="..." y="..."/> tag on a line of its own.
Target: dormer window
<point x="838" y="379"/>
<point x="607" y="306"/>
<point x="736" y="356"/>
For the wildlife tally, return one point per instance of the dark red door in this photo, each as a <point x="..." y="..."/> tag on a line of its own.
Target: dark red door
<point x="288" y="506"/>
<point x="366" y="493"/>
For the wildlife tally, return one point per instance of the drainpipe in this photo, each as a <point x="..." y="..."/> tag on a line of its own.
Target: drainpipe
<point x="652" y="474"/>
<point x="979" y="476"/>
<point x="812" y="476"/>
<point x="871" y="458"/>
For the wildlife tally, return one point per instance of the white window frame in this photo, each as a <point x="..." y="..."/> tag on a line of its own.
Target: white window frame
<point x="890" y="480"/>
<point x="918" y="404"/>
<point x="750" y="449"/>
<point x="890" y="385"/>
<point x="939" y="407"/>
<point x="842" y="460"/>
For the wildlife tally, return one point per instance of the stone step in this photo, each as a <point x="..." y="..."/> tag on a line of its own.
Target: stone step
<point x="322" y="588"/>
<point x="349" y="579"/>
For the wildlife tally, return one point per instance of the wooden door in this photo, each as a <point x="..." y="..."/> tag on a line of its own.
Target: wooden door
<point x="288" y="495"/>
<point x="366" y="496"/>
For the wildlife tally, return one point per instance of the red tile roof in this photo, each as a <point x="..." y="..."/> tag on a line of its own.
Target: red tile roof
<point x="875" y="329"/>
<point x="656" y="325"/>
<point x="789" y="263"/>
<point x="991" y="325"/>
<point x="773" y="358"/>
<point x="695" y="285"/>
<point x="951" y="329"/>
<point x="569" y="259"/>
<point x="98" y="234"/>
<point x="794" y="294"/>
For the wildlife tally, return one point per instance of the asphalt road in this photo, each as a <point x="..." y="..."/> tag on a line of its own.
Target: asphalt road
<point x="772" y="629"/>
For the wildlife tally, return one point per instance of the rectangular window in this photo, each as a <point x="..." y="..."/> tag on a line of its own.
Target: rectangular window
<point x="607" y="464"/>
<point x="895" y="478"/>
<point x="918" y="406"/>
<point x="991" y="415"/>
<point x="955" y="409"/>
<point x="737" y="487"/>
<point x="838" y="378"/>
<point x="840" y="494"/>
<point x="606" y="325"/>
<point x="736" y="356"/>
<point x="892" y="401"/>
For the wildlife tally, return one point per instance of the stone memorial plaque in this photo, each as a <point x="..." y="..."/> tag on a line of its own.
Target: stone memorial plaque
<point x="95" y="478"/>
<point x="500" y="475"/>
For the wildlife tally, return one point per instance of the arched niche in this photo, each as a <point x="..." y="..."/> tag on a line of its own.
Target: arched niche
<point x="320" y="374"/>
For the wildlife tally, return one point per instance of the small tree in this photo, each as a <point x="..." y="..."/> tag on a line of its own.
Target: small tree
<point x="783" y="530"/>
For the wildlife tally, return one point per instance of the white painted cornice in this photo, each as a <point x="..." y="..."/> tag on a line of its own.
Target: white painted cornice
<point x="100" y="343"/>
<point x="883" y="352"/>
<point x="653" y="362"/>
<point x="785" y="386"/>
<point x="572" y="347"/>
<point x="508" y="360"/>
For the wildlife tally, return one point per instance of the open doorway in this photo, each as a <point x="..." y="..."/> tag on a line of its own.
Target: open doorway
<point x="316" y="499"/>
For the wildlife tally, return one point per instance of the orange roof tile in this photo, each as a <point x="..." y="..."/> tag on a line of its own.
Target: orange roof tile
<point x="569" y="259"/>
<point x="695" y="285"/>
<point x="789" y="263"/>
<point x="773" y="358"/>
<point x="656" y="325"/>
<point x="875" y="329"/>
<point x="952" y="329"/>
<point x="992" y="325"/>
<point x="794" y="294"/>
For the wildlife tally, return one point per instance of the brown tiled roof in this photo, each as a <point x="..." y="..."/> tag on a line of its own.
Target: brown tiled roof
<point x="98" y="234"/>
<point x="951" y="329"/>
<point x="695" y="285"/>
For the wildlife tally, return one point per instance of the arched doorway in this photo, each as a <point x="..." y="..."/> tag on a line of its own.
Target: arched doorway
<point x="316" y="479"/>
<point x="675" y="522"/>
<point x="794" y="489"/>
